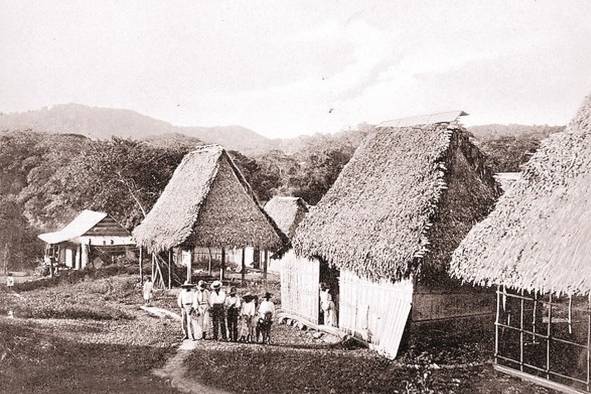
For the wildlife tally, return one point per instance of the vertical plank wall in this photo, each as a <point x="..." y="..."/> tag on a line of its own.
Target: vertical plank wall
<point x="375" y="311"/>
<point x="299" y="286"/>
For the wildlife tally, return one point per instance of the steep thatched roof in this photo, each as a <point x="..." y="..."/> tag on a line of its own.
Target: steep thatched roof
<point x="538" y="236"/>
<point x="208" y="203"/>
<point x="287" y="212"/>
<point x="403" y="202"/>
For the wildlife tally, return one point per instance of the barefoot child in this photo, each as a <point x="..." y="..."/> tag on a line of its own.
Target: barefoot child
<point x="247" y="318"/>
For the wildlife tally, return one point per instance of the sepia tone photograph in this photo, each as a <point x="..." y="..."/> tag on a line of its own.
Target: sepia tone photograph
<point x="330" y="196"/>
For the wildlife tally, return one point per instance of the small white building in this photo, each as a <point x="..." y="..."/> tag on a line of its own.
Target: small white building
<point x="89" y="232"/>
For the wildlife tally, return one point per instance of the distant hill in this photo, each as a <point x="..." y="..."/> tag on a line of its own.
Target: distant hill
<point x="102" y="123"/>
<point x="496" y="131"/>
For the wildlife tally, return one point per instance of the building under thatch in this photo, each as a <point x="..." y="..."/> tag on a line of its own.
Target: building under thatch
<point x="388" y="226"/>
<point x="207" y="204"/>
<point x="91" y="235"/>
<point x="288" y="212"/>
<point x="535" y="246"/>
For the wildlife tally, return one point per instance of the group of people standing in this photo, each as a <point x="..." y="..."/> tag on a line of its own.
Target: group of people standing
<point x="230" y="316"/>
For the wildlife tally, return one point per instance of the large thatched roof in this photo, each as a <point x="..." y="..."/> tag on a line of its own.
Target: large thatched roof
<point x="538" y="236"/>
<point x="287" y="212"/>
<point x="208" y="203"/>
<point x="403" y="202"/>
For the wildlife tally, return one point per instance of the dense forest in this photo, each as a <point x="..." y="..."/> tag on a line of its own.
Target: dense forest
<point x="46" y="179"/>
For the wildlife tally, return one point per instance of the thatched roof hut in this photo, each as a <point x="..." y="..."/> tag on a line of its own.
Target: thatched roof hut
<point x="208" y="203"/>
<point x="287" y="212"/>
<point x="402" y="204"/>
<point x="538" y="236"/>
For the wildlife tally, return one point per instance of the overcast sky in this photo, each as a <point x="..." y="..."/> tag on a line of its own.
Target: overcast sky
<point x="284" y="68"/>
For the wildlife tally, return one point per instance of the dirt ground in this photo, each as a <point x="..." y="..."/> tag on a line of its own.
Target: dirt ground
<point x="89" y="335"/>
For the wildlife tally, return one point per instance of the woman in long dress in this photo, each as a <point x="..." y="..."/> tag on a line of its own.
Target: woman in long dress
<point x="201" y="310"/>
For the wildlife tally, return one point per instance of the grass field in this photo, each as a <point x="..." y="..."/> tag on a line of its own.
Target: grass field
<point x="87" y="334"/>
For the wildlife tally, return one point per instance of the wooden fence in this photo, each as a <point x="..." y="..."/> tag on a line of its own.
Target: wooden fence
<point x="300" y="280"/>
<point x="375" y="311"/>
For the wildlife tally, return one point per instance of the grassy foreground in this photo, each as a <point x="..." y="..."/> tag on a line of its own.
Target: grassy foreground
<point x="85" y="337"/>
<point x="86" y="334"/>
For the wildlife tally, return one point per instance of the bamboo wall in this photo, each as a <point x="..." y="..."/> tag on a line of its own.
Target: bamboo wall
<point x="300" y="279"/>
<point x="375" y="311"/>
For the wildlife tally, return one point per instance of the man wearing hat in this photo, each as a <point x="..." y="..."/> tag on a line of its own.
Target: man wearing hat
<point x="217" y="299"/>
<point x="267" y="306"/>
<point x="232" y="311"/>
<point x="201" y="307"/>
<point x="185" y="302"/>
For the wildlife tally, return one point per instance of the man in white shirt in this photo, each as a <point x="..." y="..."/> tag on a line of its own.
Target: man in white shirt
<point x="185" y="302"/>
<point x="267" y="306"/>
<point x="232" y="311"/>
<point x="266" y="312"/>
<point x="217" y="299"/>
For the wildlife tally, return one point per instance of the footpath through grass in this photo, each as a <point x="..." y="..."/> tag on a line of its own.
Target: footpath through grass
<point x="82" y="336"/>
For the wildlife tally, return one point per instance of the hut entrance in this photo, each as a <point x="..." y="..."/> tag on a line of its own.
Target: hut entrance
<point x="329" y="295"/>
<point x="544" y="338"/>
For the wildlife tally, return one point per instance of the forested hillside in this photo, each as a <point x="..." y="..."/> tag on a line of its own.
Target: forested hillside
<point x="46" y="179"/>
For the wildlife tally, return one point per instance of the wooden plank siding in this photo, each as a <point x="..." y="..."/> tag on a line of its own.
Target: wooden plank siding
<point x="436" y="304"/>
<point x="300" y="279"/>
<point x="375" y="311"/>
<point x="107" y="226"/>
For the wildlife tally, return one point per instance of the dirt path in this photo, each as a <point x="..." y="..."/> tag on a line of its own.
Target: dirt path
<point x="175" y="369"/>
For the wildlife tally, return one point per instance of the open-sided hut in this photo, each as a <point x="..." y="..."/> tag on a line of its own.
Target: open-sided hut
<point x="89" y="235"/>
<point x="535" y="248"/>
<point x="388" y="226"/>
<point x="207" y="204"/>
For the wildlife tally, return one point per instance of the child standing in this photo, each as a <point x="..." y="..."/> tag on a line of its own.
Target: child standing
<point x="247" y="317"/>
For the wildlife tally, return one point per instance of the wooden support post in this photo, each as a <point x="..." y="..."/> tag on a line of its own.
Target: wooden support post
<point x="223" y="264"/>
<point x="169" y="269"/>
<point x="209" y="262"/>
<point x="548" y="336"/>
<point x="265" y="265"/>
<point x="588" y="340"/>
<point x="190" y="266"/>
<point x="242" y="267"/>
<point x="153" y="268"/>
<point x="497" y="321"/>
<point x="521" y="331"/>
<point x="534" y="340"/>
<point x="141" y="263"/>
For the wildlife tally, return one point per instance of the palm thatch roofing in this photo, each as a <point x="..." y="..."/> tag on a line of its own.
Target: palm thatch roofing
<point x="287" y="212"/>
<point x="208" y="203"/>
<point x="538" y="236"/>
<point x="403" y="202"/>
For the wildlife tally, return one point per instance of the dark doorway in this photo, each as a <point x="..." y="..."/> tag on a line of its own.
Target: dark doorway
<point x="329" y="278"/>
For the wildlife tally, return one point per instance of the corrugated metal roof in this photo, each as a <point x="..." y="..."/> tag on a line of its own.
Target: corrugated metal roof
<point x="86" y="220"/>
<point x="441" y="117"/>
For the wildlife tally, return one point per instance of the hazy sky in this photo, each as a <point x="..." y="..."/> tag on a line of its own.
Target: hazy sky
<point x="290" y="67"/>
